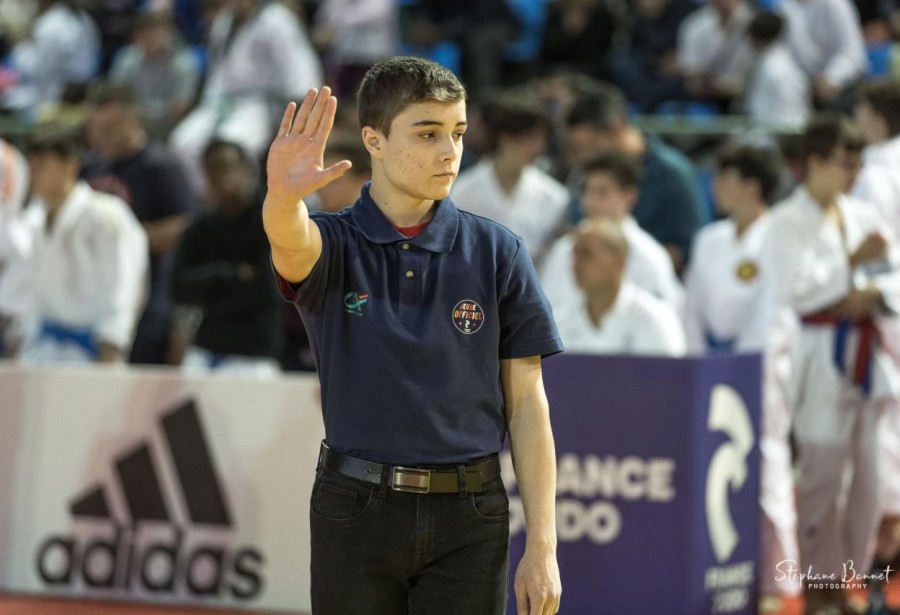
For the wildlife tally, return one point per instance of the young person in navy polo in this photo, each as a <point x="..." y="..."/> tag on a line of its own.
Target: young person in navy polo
<point x="428" y="326"/>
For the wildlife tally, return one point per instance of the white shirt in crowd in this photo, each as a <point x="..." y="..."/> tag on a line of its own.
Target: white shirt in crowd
<point x="721" y="282"/>
<point x="365" y="30"/>
<point x="535" y="210"/>
<point x="638" y="323"/>
<point x="705" y="47"/>
<point x="778" y="91"/>
<point x="879" y="182"/>
<point x="649" y="267"/>
<point x="89" y="272"/>
<point x="15" y="240"/>
<point x="826" y="38"/>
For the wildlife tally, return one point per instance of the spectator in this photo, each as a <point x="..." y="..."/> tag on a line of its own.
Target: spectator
<point x="609" y="191"/>
<point x="259" y="57"/>
<point x="507" y="186"/>
<point x="614" y="317"/>
<point x="577" y="36"/>
<point x="352" y="35"/>
<point x="222" y="267"/>
<point x="163" y="72"/>
<point x="714" y="56"/>
<point x="645" y="65"/>
<point x="63" y="49"/>
<point x="826" y="39"/>
<point x="15" y="246"/>
<point x="344" y="191"/>
<point x="778" y="91"/>
<point x="88" y="266"/>
<point x="150" y="180"/>
<point x="668" y="206"/>
<point x="824" y="259"/>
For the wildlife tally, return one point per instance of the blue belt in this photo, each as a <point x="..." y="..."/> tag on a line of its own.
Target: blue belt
<point x="83" y="338"/>
<point x="719" y="345"/>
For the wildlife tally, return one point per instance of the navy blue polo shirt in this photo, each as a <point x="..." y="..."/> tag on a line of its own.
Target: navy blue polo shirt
<point x="408" y="333"/>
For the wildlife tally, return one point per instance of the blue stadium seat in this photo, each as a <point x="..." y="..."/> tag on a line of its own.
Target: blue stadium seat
<point x="879" y="55"/>
<point x="532" y="14"/>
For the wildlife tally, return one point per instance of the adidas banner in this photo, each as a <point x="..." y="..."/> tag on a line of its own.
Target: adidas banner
<point x="144" y="485"/>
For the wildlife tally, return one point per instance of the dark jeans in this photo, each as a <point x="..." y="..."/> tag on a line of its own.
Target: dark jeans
<point x="378" y="551"/>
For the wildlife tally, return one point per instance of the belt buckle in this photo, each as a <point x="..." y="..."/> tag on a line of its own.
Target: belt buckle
<point x="411" y="480"/>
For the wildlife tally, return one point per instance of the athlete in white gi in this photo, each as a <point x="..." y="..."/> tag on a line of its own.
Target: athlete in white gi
<point x="88" y="265"/>
<point x="14" y="246"/>
<point x="824" y="258"/>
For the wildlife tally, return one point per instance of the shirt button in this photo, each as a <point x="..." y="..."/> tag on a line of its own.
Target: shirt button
<point x="405" y="246"/>
<point x="410" y="274"/>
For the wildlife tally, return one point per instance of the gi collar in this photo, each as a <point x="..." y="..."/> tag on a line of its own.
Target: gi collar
<point x="437" y="237"/>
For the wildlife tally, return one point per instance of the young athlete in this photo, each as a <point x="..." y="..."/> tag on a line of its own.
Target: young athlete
<point x="428" y="326"/>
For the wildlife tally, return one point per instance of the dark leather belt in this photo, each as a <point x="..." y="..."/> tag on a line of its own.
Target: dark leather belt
<point x="444" y="479"/>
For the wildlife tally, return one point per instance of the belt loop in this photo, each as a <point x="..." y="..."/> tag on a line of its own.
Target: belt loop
<point x="385" y="477"/>
<point x="461" y="474"/>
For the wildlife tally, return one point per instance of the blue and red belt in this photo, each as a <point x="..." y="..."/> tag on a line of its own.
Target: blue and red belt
<point x="865" y="349"/>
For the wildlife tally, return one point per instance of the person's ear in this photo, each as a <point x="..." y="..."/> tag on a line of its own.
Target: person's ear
<point x="373" y="140"/>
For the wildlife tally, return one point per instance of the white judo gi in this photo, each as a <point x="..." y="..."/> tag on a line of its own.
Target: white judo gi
<point x="15" y="243"/>
<point x="805" y="266"/>
<point x="89" y="273"/>
<point x="637" y="324"/>
<point x="722" y="283"/>
<point x="648" y="267"/>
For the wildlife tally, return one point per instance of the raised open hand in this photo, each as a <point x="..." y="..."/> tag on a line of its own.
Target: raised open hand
<point x="295" y="164"/>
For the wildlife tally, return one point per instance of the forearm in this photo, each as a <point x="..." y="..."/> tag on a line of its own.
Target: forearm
<point x="292" y="235"/>
<point x="163" y="235"/>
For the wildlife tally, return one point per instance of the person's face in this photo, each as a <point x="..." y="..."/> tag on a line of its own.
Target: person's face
<point x="343" y="191"/>
<point x="585" y="141"/>
<point x="837" y="173"/>
<point x="422" y="155"/>
<point x="526" y="147"/>
<point x="50" y="173"/>
<point x="873" y="127"/>
<point x="731" y="191"/>
<point x="109" y="130"/>
<point x="603" y="197"/>
<point x="594" y="263"/>
<point x="229" y="179"/>
<point x="155" y="41"/>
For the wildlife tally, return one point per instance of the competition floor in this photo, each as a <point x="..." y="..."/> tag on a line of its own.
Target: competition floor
<point x="22" y="605"/>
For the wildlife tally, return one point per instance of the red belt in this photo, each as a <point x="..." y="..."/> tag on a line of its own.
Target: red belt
<point x="868" y="338"/>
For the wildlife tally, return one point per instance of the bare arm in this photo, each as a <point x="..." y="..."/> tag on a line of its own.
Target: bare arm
<point x="295" y="170"/>
<point x="163" y="234"/>
<point x="537" y="582"/>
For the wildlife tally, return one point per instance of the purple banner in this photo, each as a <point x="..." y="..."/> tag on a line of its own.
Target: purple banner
<point x="658" y="483"/>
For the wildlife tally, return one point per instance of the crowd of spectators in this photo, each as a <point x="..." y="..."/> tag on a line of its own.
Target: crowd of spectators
<point x="133" y="231"/>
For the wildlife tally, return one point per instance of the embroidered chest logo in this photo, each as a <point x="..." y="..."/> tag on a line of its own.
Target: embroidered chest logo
<point x="468" y="316"/>
<point x="353" y="303"/>
<point x="747" y="271"/>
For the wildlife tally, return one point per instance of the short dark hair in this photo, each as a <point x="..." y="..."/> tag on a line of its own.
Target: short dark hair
<point x="883" y="95"/>
<point x="762" y="164"/>
<point x="765" y="28"/>
<point x="350" y="147"/>
<point x="625" y="171"/>
<point x="598" y="104"/>
<point x="217" y="144"/>
<point x="53" y="138"/>
<point x="515" y="112"/>
<point x="393" y="84"/>
<point x="826" y="132"/>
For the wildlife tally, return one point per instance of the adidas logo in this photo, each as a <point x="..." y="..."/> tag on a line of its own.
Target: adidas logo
<point x="177" y="543"/>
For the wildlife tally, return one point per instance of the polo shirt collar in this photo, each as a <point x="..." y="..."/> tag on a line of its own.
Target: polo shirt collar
<point x="374" y="225"/>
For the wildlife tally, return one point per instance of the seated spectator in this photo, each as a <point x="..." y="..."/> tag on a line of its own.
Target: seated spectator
<point x="63" y="49"/>
<point x="507" y="186"/>
<point x="669" y="205"/>
<point x="222" y="267"/>
<point x="609" y="191"/>
<point x="345" y="190"/>
<point x="614" y="316"/>
<point x="351" y="36"/>
<point x="778" y="91"/>
<point x="826" y="38"/>
<point x="161" y="70"/>
<point x="88" y="266"/>
<point x="645" y="65"/>
<point x="577" y="36"/>
<point x="714" y="56"/>
<point x="147" y="177"/>
<point x="259" y="58"/>
<point x="15" y="246"/>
